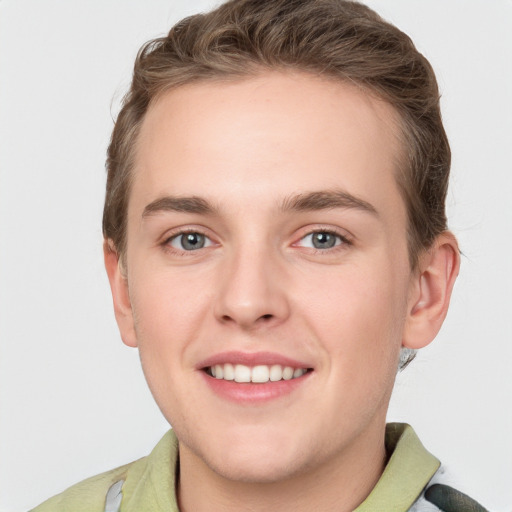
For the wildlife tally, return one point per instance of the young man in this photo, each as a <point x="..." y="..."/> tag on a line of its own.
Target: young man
<point x="276" y="245"/>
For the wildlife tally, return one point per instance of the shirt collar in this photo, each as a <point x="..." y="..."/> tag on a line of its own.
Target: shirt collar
<point x="151" y="482"/>
<point x="409" y="469"/>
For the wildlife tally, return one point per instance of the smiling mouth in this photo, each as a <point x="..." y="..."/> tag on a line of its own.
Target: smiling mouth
<point x="259" y="374"/>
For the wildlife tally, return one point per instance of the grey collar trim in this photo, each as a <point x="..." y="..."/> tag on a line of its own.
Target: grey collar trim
<point x="114" y="497"/>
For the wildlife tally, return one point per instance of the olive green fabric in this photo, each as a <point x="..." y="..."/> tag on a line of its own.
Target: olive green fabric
<point x="150" y="482"/>
<point x="149" y="485"/>
<point x="407" y="472"/>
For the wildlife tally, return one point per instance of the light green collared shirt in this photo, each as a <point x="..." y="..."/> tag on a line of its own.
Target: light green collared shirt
<point x="149" y="483"/>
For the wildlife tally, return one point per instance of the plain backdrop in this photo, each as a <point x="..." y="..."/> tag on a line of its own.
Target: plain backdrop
<point x="73" y="401"/>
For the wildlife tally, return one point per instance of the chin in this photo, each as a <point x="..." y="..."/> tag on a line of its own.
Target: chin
<point x="262" y="458"/>
<point x="256" y="469"/>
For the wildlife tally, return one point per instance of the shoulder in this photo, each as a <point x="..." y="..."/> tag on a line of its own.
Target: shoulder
<point x="414" y="471"/>
<point x="88" y="495"/>
<point x="142" y="481"/>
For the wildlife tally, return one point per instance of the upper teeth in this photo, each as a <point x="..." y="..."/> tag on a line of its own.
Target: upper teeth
<point x="260" y="374"/>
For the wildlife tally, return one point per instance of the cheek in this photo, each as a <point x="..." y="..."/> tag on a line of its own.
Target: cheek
<point x="167" y="317"/>
<point x="167" y="312"/>
<point x="165" y="295"/>
<point x="359" y="315"/>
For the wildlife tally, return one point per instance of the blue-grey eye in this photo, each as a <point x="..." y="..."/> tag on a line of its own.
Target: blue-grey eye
<point x="190" y="241"/>
<point x="321" y="240"/>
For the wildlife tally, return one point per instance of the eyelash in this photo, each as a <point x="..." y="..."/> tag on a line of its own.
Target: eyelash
<point x="166" y="244"/>
<point x="344" y="241"/>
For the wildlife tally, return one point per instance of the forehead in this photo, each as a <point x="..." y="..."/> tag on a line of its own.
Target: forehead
<point x="263" y="136"/>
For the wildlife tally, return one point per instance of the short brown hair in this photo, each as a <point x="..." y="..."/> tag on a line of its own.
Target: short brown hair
<point x="335" y="39"/>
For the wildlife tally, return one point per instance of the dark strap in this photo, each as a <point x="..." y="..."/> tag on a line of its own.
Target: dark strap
<point x="450" y="500"/>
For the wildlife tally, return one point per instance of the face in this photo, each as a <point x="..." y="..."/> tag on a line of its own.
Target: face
<point x="267" y="270"/>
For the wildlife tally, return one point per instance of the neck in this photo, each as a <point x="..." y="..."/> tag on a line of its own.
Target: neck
<point x="339" y="484"/>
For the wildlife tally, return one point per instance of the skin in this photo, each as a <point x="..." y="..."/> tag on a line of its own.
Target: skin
<point x="259" y="285"/>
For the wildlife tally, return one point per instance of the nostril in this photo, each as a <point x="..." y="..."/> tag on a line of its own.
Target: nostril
<point x="247" y="322"/>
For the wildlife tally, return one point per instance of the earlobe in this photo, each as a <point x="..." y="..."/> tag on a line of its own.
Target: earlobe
<point x="120" y="295"/>
<point x="431" y="291"/>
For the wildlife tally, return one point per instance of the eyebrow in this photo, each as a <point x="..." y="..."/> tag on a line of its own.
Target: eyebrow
<point x="311" y="201"/>
<point x="191" y="204"/>
<point x="327" y="200"/>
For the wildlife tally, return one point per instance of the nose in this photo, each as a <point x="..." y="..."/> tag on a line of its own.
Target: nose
<point x="252" y="291"/>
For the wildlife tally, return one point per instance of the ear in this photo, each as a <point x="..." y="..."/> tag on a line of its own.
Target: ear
<point x="431" y="290"/>
<point x="120" y="295"/>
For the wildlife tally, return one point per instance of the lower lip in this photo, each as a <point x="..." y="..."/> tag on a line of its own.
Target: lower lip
<point x="251" y="393"/>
